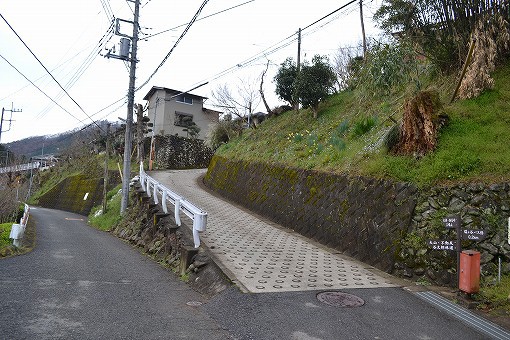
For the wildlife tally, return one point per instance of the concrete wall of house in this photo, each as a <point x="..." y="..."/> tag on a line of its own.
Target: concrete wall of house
<point x="162" y="114"/>
<point x="156" y="112"/>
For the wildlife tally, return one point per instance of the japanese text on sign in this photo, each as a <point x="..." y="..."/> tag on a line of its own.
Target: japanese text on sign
<point x="451" y="222"/>
<point x="473" y="234"/>
<point x="442" y="245"/>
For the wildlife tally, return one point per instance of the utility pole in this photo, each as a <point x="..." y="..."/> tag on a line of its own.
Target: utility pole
<point x="298" y="67"/>
<point x="139" y="132"/>
<point x="363" y="29"/>
<point x="12" y="110"/>
<point x="152" y="152"/>
<point x="129" y="118"/>
<point x="105" y="176"/>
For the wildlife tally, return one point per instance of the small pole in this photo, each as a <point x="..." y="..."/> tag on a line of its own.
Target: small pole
<point x="459" y="246"/>
<point x="152" y="151"/>
<point x="31" y="178"/>
<point x="464" y="69"/>
<point x="139" y="132"/>
<point x="499" y="269"/>
<point x="363" y="29"/>
<point x="1" y="122"/>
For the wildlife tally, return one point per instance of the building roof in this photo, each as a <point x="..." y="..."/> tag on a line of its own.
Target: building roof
<point x="167" y="90"/>
<point x="206" y="111"/>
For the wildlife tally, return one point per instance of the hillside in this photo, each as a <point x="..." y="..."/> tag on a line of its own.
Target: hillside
<point x="348" y="137"/>
<point x="57" y="144"/>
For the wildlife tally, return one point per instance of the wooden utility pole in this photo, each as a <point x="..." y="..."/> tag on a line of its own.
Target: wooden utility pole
<point x="139" y="132"/>
<point x="298" y="68"/>
<point x="106" y="158"/>
<point x="363" y="29"/>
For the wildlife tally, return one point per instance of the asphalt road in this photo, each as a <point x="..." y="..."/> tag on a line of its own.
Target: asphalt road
<point x="80" y="283"/>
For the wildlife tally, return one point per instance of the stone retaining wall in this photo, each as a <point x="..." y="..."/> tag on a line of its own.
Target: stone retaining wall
<point x="480" y="206"/>
<point x="360" y="216"/>
<point x="69" y="194"/>
<point x="174" y="152"/>
<point x="380" y="222"/>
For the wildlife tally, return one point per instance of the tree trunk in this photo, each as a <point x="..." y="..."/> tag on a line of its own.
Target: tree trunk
<point x="269" y="111"/>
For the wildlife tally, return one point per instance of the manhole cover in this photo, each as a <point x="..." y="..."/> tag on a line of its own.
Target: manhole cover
<point x="339" y="299"/>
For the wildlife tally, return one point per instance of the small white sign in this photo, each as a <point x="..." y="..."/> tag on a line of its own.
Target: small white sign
<point x="85" y="197"/>
<point x="509" y="230"/>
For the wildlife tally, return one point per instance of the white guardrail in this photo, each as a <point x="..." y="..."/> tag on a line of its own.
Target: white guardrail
<point x="154" y="189"/>
<point x="18" y="229"/>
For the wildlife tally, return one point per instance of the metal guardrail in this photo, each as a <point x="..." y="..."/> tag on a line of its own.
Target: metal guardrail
<point x="18" y="229"/>
<point x="26" y="167"/>
<point x="154" y="189"/>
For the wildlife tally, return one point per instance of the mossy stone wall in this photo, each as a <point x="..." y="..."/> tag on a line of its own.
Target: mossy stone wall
<point x="174" y="152"/>
<point x="362" y="217"/>
<point x="68" y="195"/>
<point x="480" y="206"/>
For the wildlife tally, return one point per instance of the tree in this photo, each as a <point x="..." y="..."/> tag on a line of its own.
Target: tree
<point x="346" y="65"/>
<point x="440" y="28"/>
<point x="261" y="91"/>
<point x="285" y="81"/>
<point x="239" y="103"/>
<point x="192" y="129"/>
<point x="315" y="82"/>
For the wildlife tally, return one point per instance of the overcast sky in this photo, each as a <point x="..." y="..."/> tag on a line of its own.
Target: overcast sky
<point x="65" y="36"/>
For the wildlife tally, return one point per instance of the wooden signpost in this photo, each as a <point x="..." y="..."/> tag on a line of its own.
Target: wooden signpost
<point x="454" y="222"/>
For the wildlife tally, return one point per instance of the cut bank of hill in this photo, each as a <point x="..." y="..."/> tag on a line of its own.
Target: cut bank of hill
<point x="349" y="137"/>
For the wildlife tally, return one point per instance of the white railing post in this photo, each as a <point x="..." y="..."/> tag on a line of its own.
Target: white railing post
<point x="18" y="230"/>
<point x="163" y="202"/>
<point x="198" y="216"/>
<point x="176" y="211"/>
<point x="156" y="193"/>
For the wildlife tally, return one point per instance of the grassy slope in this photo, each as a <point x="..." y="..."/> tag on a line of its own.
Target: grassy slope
<point x="472" y="147"/>
<point x="5" y="230"/>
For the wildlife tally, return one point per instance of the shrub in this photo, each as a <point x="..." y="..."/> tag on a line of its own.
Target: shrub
<point x="223" y="132"/>
<point x="364" y="125"/>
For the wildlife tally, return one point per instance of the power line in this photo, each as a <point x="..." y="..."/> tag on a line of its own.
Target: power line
<point x="107" y="9"/>
<point x="327" y="15"/>
<point x="287" y="41"/>
<point x="175" y="44"/>
<point x="37" y="87"/>
<point x="277" y="46"/>
<point x="84" y="66"/>
<point x="207" y="16"/>
<point x="54" y="69"/>
<point x="51" y="75"/>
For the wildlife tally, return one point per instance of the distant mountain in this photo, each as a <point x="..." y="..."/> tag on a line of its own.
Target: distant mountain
<point x="55" y="144"/>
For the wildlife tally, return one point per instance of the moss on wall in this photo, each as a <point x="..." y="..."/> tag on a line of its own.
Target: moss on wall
<point x="69" y="194"/>
<point x="359" y="216"/>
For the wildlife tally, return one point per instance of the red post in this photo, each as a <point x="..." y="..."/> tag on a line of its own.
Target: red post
<point x="469" y="280"/>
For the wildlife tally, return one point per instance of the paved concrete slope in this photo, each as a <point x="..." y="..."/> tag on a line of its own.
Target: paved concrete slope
<point x="262" y="256"/>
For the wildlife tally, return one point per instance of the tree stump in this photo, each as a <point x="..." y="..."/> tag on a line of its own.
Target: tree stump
<point x="420" y="123"/>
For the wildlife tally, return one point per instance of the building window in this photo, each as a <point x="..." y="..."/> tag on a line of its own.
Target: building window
<point x="183" y="119"/>
<point x="182" y="98"/>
